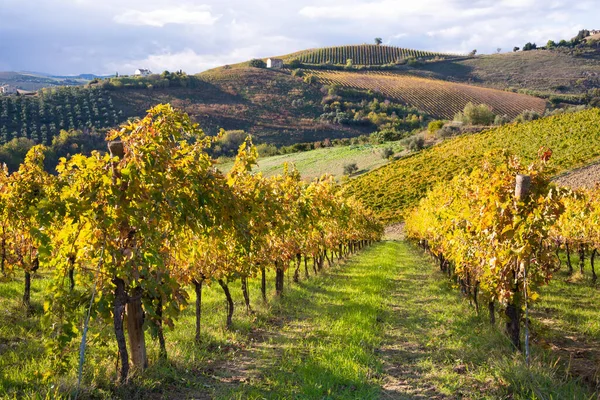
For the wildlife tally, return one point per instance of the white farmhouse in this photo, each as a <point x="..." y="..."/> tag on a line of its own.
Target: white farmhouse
<point x="142" y="72"/>
<point x="274" y="63"/>
<point x="8" y="89"/>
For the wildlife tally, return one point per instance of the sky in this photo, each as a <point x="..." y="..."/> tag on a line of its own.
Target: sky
<point x="70" y="37"/>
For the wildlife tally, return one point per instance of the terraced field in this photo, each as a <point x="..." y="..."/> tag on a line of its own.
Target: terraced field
<point x="438" y="98"/>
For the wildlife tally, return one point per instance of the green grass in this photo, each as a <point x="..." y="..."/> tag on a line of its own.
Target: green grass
<point x="385" y="324"/>
<point x="330" y="160"/>
<point x="396" y="187"/>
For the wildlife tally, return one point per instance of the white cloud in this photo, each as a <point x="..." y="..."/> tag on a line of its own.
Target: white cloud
<point x="188" y="60"/>
<point x="199" y="15"/>
<point x="452" y="32"/>
<point x="76" y="36"/>
<point x="386" y="9"/>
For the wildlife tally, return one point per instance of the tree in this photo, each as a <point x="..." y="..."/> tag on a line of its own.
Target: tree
<point x="378" y="41"/>
<point x="481" y="114"/>
<point x="516" y="48"/>
<point x="529" y="46"/>
<point x="551" y="44"/>
<point x="258" y="63"/>
<point x="295" y="63"/>
<point x="472" y="53"/>
<point x="498" y="50"/>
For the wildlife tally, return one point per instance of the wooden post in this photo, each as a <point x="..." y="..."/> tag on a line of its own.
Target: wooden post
<point x="522" y="187"/>
<point x="116" y="148"/>
<point x="522" y="191"/>
<point x="135" y="330"/>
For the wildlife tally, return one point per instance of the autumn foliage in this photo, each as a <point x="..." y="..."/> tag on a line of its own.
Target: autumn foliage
<point x="127" y="233"/>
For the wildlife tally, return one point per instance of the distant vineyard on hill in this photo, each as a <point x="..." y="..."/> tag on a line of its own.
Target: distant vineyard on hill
<point x="43" y="116"/>
<point x="392" y="189"/>
<point x="366" y="54"/>
<point x="435" y="97"/>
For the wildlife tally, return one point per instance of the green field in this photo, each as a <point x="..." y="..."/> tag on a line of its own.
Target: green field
<point x="392" y="189"/>
<point x="329" y="160"/>
<point x="384" y="324"/>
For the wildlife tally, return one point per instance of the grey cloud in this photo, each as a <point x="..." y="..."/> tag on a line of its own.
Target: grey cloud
<point x="77" y="36"/>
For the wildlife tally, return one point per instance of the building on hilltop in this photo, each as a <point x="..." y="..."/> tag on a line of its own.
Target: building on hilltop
<point x="275" y="63"/>
<point x="142" y="72"/>
<point x="8" y="89"/>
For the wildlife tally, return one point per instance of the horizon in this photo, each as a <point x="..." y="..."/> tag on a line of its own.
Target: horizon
<point x="73" y="37"/>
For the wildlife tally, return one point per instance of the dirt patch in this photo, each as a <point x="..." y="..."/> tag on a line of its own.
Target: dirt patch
<point x="582" y="178"/>
<point x="395" y="232"/>
<point x="579" y="356"/>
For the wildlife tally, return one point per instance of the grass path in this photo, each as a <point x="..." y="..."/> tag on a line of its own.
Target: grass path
<point x="354" y="333"/>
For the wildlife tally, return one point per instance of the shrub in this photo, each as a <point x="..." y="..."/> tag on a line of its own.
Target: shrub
<point x="387" y="152"/>
<point x="435" y="126"/>
<point x="527" y="115"/>
<point x="295" y="63"/>
<point x="501" y="120"/>
<point x="258" y="63"/>
<point x="297" y="72"/>
<point x="414" y="143"/>
<point x="266" y="150"/>
<point x="350" y="168"/>
<point x="448" y="131"/>
<point x="476" y="115"/>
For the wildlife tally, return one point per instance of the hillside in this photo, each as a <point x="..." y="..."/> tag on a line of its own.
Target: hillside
<point x="393" y="188"/>
<point x="41" y="117"/>
<point x="365" y="54"/>
<point x="540" y="70"/>
<point x="435" y="97"/>
<point x="280" y="107"/>
<point x="331" y="160"/>
<point x="30" y="81"/>
<point x="256" y="100"/>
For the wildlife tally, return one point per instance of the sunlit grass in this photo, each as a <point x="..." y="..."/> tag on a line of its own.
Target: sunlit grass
<point x="385" y="324"/>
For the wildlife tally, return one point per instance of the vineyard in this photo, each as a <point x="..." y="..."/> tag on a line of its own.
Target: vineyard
<point x="43" y="116"/>
<point x="437" y="98"/>
<point x="365" y="54"/>
<point x="498" y="232"/>
<point x="131" y="232"/>
<point x="393" y="189"/>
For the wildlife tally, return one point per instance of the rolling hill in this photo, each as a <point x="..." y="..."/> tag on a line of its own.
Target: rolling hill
<point x="549" y="71"/>
<point x="437" y="98"/>
<point x="330" y="160"/>
<point x="280" y="107"/>
<point x="33" y="81"/>
<point x="364" y="54"/>
<point x="394" y="188"/>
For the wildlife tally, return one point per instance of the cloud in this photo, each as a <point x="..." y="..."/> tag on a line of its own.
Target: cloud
<point x="199" y="15"/>
<point x="187" y="59"/>
<point x="75" y="36"/>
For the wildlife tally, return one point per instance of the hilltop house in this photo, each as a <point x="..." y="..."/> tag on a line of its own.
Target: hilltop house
<point x="7" y="89"/>
<point x="142" y="72"/>
<point x="275" y="63"/>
